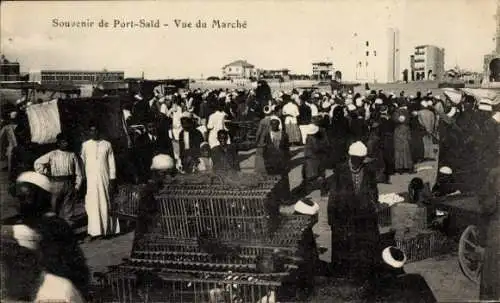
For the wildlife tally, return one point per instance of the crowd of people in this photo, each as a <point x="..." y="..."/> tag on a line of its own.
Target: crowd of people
<point x="364" y="138"/>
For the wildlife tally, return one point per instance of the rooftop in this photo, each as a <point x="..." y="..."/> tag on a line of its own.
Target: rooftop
<point x="242" y="63"/>
<point x="322" y="63"/>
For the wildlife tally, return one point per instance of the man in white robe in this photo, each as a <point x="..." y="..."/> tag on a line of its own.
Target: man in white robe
<point x="100" y="171"/>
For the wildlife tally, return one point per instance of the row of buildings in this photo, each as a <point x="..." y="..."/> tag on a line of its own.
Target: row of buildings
<point x="379" y="60"/>
<point x="375" y="61"/>
<point x="241" y="69"/>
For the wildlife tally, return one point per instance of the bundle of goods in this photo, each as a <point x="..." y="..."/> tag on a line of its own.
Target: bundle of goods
<point x="386" y="201"/>
<point x="214" y="242"/>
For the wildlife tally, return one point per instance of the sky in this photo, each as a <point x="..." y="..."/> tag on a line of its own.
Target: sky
<point x="279" y="34"/>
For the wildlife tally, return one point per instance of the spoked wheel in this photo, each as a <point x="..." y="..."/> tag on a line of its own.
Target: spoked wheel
<point x="470" y="253"/>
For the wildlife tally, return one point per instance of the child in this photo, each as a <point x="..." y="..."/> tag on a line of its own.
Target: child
<point x="205" y="164"/>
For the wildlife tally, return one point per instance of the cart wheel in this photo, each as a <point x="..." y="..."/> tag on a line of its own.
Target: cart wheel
<point x="470" y="253"/>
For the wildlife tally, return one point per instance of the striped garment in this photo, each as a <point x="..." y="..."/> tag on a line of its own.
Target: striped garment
<point x="44" y="122"/>
<point x="58" y="163"/>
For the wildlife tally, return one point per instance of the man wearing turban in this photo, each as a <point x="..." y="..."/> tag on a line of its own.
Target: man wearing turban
<point x="352" y="215"/>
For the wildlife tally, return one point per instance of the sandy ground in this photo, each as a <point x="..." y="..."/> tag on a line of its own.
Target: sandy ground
<point x="442" y="273"/>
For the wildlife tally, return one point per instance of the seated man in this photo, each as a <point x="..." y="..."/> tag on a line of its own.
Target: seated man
<point x="224" y="156"/>
<point x="392" y="284"/>
<point x="445" y="183"/>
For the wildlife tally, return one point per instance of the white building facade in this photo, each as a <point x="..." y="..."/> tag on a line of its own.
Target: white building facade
<point x="377" y="59"/>
<point x="428" y="63"/>
<point x="239" y="69"/>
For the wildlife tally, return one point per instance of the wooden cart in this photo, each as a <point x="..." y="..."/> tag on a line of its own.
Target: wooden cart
<point x="463" y="223"/>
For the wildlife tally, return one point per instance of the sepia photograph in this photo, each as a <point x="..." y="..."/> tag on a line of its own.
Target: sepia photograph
<point x="250" y="151"/>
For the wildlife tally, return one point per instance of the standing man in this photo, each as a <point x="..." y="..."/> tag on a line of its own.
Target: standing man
<point x="8" y="132"/>
<point x="490" y="206"/>
<point x="427" y="120"/>
<point x="149" y="145"/>
<point x="190" y="140"/>
<point x="99" y="162"/>
<point x="352" y="205"/>
<point x="63" y="169"/>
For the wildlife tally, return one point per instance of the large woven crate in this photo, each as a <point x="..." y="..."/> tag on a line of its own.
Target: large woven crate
<point x="426" y="244"/>
<point x="153" y="245"/>
<point x="126" y="202"/>
<point x="222" y="211"/>
<point x="135" y="285"/>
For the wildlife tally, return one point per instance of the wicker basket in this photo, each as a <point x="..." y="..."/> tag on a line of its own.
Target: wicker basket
<point x="384" y="215"/>
<point x="425" y="244"/>
<point x="136" y="285"/>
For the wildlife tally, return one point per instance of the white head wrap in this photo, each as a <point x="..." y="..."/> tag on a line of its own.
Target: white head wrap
<point x="445" y="170"/>
<point x="358" y="149"/>
<point x="304" y="208"/>
<point x="389" y="258"/>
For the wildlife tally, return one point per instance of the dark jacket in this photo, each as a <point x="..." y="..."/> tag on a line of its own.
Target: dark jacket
<point x="342" y="190"/>
<point x="277" y="160"/>
<point x="146" y="149"/>
<point x="225" y="159"/>
<point x="195" y="140"/>
<point x="189" y="157"/>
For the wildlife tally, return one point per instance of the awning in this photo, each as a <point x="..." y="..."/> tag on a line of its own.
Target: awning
<point x="488" y="96"/>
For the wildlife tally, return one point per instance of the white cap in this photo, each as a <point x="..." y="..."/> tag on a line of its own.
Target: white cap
<point x="379" y="101"/>
<point x="306" y="209"/>
<point x="13" y="115"/>
<point x="358" y="149"/>
<point x="445" y="170"/>
<point x="402" y="118"/>
<point x="390" y="259"/>
<point x="162" y="162"/>
<point x="351" y="107"/>
<point x="36" y="179"/>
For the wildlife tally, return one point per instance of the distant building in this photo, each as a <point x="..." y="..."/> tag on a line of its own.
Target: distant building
<point x="393" y="69"/>
<point x="428" y="62"/>
<point x="239" y="69"/>
<point x="377" y="59"/>
<point x="491" y="65"/>
<point x="9" y="71"/>
<point x="322" y="70"/>
<point x="274" y="74"/>
<point x="78" y="77"/>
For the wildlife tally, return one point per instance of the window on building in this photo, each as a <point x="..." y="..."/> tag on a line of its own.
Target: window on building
<point x="375" y="53"/>
<point x="367" y="44"/>
<point x="367" y="53"/>
<point x="229" y="69"/>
